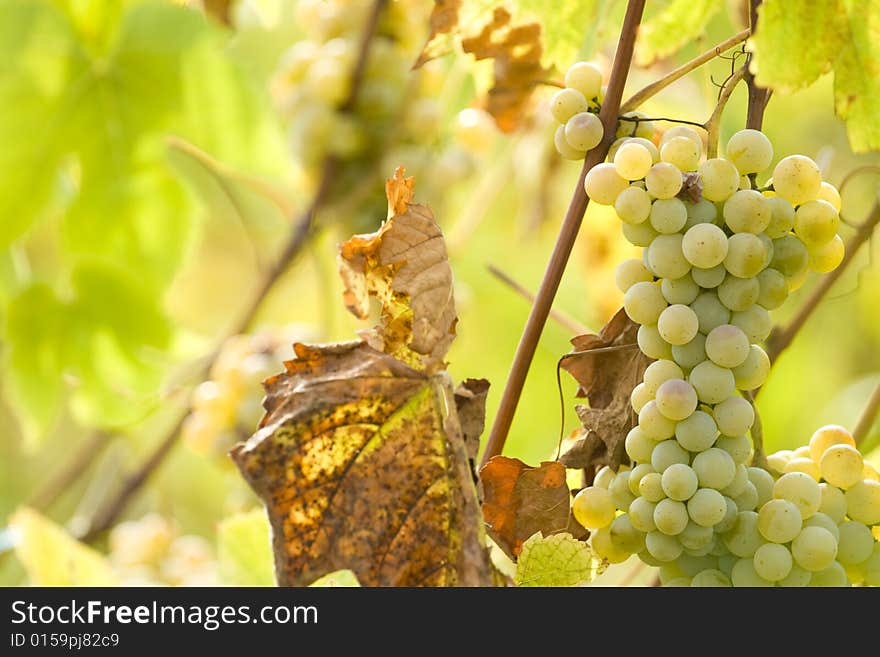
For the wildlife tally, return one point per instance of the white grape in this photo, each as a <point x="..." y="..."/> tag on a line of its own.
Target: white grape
<point x="781" y="217"/>
<point x="670" y="516"/>
<point x="747" y="211"/>
<point x="654" y="424"/>
<point x="814" y="548"/>
<point x="797" y="179"/>
<point x="739" y="294"/>
<point x="652" y="344"/>
<point x="855" y="542"/>
<point x="668" y="216"/>
<point x="709" y="278"/>
<point x="739" y="447"/>
<point x="602" y="183"/>
<point x="665" y="257"/>
<point x="679" y="482"/>
<point x="696" y="433"/>
<point x="633" y="205"/>
<point x="593" y="507"/>
<point x="749" y="150"/>
<point x="773" y="562"/>
<point x="676" y="399"/>
<point x="779" y="521"/>
<point x="755" y="322"/>
<point x="833" y="502"/>
<point x="828" y="192"/>
<point x="643" y="303"/>
<point x="746" y="255"/>
<point x="815" y="223"/>
<point x="707" y="507"/>
<point x="586" y="78"/>
<point x="713" y="384"/>
<point x="679" y="290"/>
<point x="668" y="453"/>
<point x="705" y="245"/>
<point x="863" y="502"/>
<point x="565" y="149"/>
<point x="715" y="468"/>
<point x="734" y="416"/>
<point x="638" y="446"/>
<point x="711" y="313"/>
<point x="720" y="179"/>
<point x="584" y="131"/>
<point x="801" y="490"/>
<point x="827" y="257"/>
<point x="678" y="324"/>
<point x="640" y="234"/>
<point x="772" y="289"/>
<point x="565" y="103"/>
<point x="663" y="180"/>
<point x="651" y="488"/>
<point x="633" y="161"/>
<point x="629" y="272"/>
<point x="763" y="482"/>
<point x="639" y="397"/>
<point x="727" y="346"/>
<point x="744" y="538"/>
<point x="753" y="371"/>
<point x="790" y="256"/>
<point x="691" y="354"/>
<point x="681" y="152"/>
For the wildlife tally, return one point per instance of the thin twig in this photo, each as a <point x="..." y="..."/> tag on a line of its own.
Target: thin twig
<point x="637" y="99"/>
<point x="781" y="338"/>
<point x="759" y="458"/>
<point x="563" y="319"/>
<point x="302" y="229"/>
<point x="641" y="119"/>
<point x="70" y="472"/>
<point x="567" y="234"/>
<point x="869" y="414"/>
<point x="713" y="124"/>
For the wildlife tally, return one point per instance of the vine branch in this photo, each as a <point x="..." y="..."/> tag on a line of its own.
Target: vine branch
<point x="869" y="414"/>
<point x="571" y="224"/>
<point x="301" y="231"/>
<point x="713" y="124"/>
<point x="758" y="96"/>
<point x="70" y="472"/>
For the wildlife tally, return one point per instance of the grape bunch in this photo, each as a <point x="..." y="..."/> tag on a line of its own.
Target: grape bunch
<point x="227" y="407"/>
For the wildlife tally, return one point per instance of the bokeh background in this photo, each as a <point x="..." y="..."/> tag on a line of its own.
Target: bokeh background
<point x="153" y="158"/>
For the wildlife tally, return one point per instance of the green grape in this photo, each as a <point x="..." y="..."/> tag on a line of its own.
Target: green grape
<point x="729" y="519"/>
<point x="797" y="577"/>
<point x="739" y="294"/>
<point x="602" y="183"/>
<point x="629" y="272"/>
<point x="804" y="465"/>
<point x="696" y="537"/>
<point x="768" y="250"/>
<point x="734" y="416"/>
<point x="746" y="255"/>
<point x="638" y="446"/>
<point x="841" y="465"/>
<point x="668" y="216"/>
<point x="781" y="217"/>
<point x="679" y="290"/>
<point x="833" y="575"/>
<point x="593" y="507"/>
<point x="824" y="521"/>
<point x="676" y="400"/>
<point x="855" y="542"/>
<point x="651" y="344"/>
<point x="604" y="477"/>
<point x="739" y="483"/>
<point x="749" y="150"/>
<point x="678" y="324"/>
<point x="709" y="278"/>
<point x="815" y="223"/>
<point x="826" y="436"/>
<point x="681" y="152"/>
<point x="713" y="384"/>
<point x="639" y="234"/>
<point x="641" y="514"/>
<point x="772" y="289"/>
<point x="662" y="547"/>
<point x="643" y="303"/>
<point x="679" y="482"/>
<point x="755" y="322"/>
<point x="801" y="490"/>
<point x="790" y="256"/>
<point x="670" y="516"/>
<point x="711" y="313"/>
<point x="779" y="521"/>
<point x="814" y="548"/>
<point x="833" y="502"/>
<point x="647" y="143"/>
<point x="633" y="161"/>
<point x="585" y="77"/>
<point x="682" y="131"/>
<point x="752" y="373"/>
<point x="654" y="424"/>
<point x="863" y="501"/>
<point x="583" y="131"/>
<point x="697" y="432"/>
<point x="727" y="346"/>
<point x="827" y="257"/>
<point x="639" y="397"/>
<point x="707" y="507"/>
<point x="633" y="205"/>
<point x="665" y="257"/>
<point x="739" y="447"/>
<point x="643" y="129"/>
<point x="663" y="181"/>
<point x="720" y="179"/>
<point x="666" y="453"/>
<point x="605" y="547"/>
<point x="701" y="212"/>
<point x="871" y="567"/>
<point x="636" y="475"/>
<point x="763" y="482"/>
<point x="650" y="487"/>
<point x="747" y="211"/>
<point x="625" y="536"/>
<point x="564" y="148"/>
<point x="744" y="538"/>
<point x="621" y="495"/>
<point x="828" y="192"/>
<point x="705" y="245"/>
<point x="747" y="500"/>
<point x="715" y="468"/>
<point x="658" y="373"/>
<point x="797" y="179"/>
<point x="565" y="103"/>
<point x="691" y="354"/>
<point x="773" y="562"/>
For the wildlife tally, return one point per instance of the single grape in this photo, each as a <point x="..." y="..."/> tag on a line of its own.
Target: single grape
<point x="815" y="223"/>
<point x="638" y="446"/>
<point x="564" y="148"/>
<point x="763" y="481"/>
<point x="713" y="384"/>
<point x="682" y="152"/>
<point x="720" y="179"/>
<point x="715" y="468"/>
<point x="625" y="536"/>
<point x="651" y="344"/>
<point x="855" y="542"/>
<point x="639" y="234"/>
<point x="641" y="514"/>
<point x="697" y="432"/>
<point x="749" y="150"/>
<point x="828" y="192"/>
<point x="651" y="488"/>
<point x="739" y="294"/>
<point x="814" y="548"/>
<point x="709" y="278"/>
<point x="662" y="547"/>
<point x="606" y="548"/>
<point x="670" y="516"/>
<point x="679" y="482"/>
<point x="620" y="492"/>
<point x="746" y="255"/>
<point x="639" y="397"/>
<point x="633" y="161"/>
<point x="779" y="521"/>
<point x="659" y="372"/>
<point x="824" y="521"/>
<point x="676" y="399"/>
<point x="583" y="131"/>
<point x="678" y="324"/>
<point x="711" y="313"/>
<point x="679" y="290"/>
<point x="826" y="436"/>
<point x="740" y="480"/>
<point x="629" y="272"/>
<point x="654" y="424"/>
<point x="705" y="245"/>
<point x="827" y="257"/>
<point x="841" y="465"/>
<point x="701" y="212"/>
<point x="691" y="354"/>
<point x="744" y="538"/>
<point x="663" y="180"/>
<point x="734" y="416"/>
<point x="747" y="500"/>
<point x="641" y="128"/>
<point x="727" y="346"/>
<point x="665" y="257"/>
<point x="604" y="477"/>
<point x="790" y="256"/>
<point x="781" y="218"/>
<point x="747" y="211"/>
<point x="707" y="507"/>
<point x="739" y="447"/>
<point x="773" y="562"/>
<point x="801" y="490"/>
<point x="863" y="502"/>
<point x="668" y="453"/>
<point x="729" y="519"/>
<point x="602" y="183"/>
<point x="644" y="302"/>
<point x="752" y="373"/>
<point x="593" y="507"/>
<point x="668" y="216"/>
<point x="755" y="322"/>
<point x="565" y="103"/>
<point x="772" y="289"/>
<point x="833" y="502"/>
<point x="804" y="465"/>
<point x="797" y="179"/>
<point x="633" y="205"/>
<point x="584" y="77"/>
<point x="797" y="577"/>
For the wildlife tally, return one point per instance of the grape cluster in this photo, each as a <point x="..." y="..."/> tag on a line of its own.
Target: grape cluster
<point x="227" y="407"/>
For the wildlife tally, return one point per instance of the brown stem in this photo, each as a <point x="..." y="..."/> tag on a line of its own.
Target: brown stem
<point x="70" y="472"/>
<point x="781" y="338"/>
<point x="301" y="231"/>
<point x="557" y="315"/>
<point x="713" y="124"/>
<point x="869" y="414"/>
<point x="567" y="234"/>
<point x="636" y="100"/>
<point x="758" y="96"/>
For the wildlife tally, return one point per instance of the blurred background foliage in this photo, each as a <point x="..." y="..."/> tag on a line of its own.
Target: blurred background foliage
<point x="153" y="158"/>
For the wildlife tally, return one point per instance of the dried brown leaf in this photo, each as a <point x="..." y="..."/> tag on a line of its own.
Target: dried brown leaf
<point x="405" y="266"/>
<point x="444" y="19"/>
<point x="470" y="402"/>
<point x="519" y="500"/>
<point x="691" y="187"/>
<point x="517" y="51"/>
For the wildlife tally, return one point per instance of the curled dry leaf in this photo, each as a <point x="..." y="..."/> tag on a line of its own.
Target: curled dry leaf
<point x="517" y="51"/>
<point x="444" y="19"/>
<point x="470" y="402"/>
<point x="691" y="187"/>
<point x="519" y="500"/>
<point x="607" y="367"/>
<point x="361" y="458"/>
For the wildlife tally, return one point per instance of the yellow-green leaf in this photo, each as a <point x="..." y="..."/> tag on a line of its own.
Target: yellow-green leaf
<point x="338" y="578"/>
<point x="664" y="33"/>
<point x="51" y="557"/>
<point x="565" y="26"/>
<point x="244" y="550"/>
<point x="857" y="77"/>
<point x="557" y="560"/>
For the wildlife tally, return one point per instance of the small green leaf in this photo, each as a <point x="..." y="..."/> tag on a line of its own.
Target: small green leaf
<point x="856" y="76"/>
<point x="557" y="560"/>
<point x="51" y="557"/>
<point x="681" y="22"/>
<point x="244" y="550"/>
<point x="564" y="26"/>
<point x="337" y="578"/>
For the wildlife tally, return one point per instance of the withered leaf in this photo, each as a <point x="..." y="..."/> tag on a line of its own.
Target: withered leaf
<point x="361" y="469"/>
<point x="517" y="51"/>
<point x="221" y="10"/>
<point x="405" y="266"/>
<point x="470" y="402"/>
<point x="607" y="367"/>
<point x="444" y="19"/>
<point x="691" y="187"/>
<point x="519" y="500"/>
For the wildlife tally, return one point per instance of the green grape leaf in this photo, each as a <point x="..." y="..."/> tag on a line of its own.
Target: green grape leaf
<point x="557" y="560"/>
<point x="244" y="549"/>
<point x="344" y="578"/>
<point x="564" y="26"/>
<point x="51" y="557"/>
<point x="673" y="27"/>
<point x="799" y="40"/>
